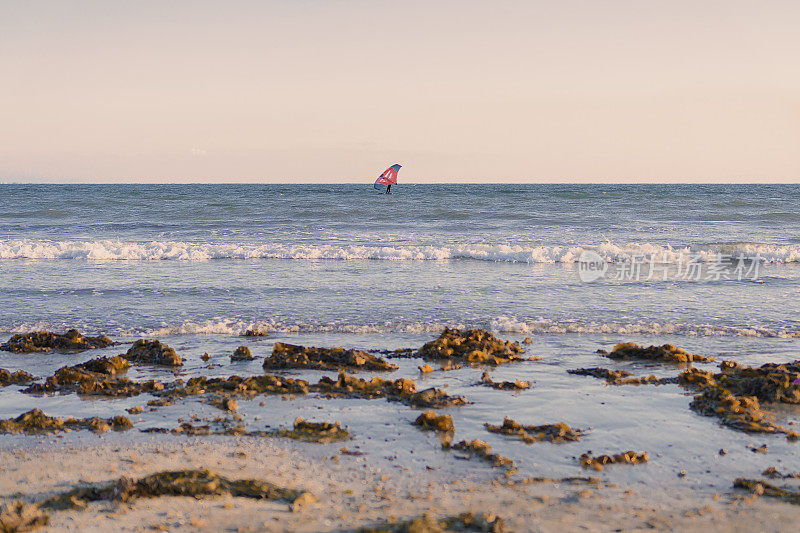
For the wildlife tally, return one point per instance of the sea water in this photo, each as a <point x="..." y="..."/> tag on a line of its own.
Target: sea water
<point x="328" y="265"/>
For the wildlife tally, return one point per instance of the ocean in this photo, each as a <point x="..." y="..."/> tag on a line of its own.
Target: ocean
<point x="340" y="265"/>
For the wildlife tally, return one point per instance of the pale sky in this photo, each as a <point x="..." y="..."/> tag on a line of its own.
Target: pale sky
<point x="327" y="90"/>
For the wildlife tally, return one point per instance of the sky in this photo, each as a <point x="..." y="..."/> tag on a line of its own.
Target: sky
<point x="456" y="91"/>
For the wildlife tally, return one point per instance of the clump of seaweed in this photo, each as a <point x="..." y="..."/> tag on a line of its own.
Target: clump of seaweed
<point x="485" y="522"/>
<point x="193" y="483"/>
<point x="19" y="516"/>
<point x="620" y="377"/>
<point x="242" y="353"/>
<point x="598" y="462"/>
<point x="294" y="356"/>
<point x="773" y="473"/>
<point x="475" y="346"/>
<point x="480" y="449"/>
<point x="20" y="377"/>
<point x="517" y="384"/>
<point x="759" y="488"/>
<point x="38" y="423"/>
<point x="667" y="353"/>
<point x="46" y="341"/>
<point x="433" y="422"/>
<point x="558" y="433"/>
<point x="152" y="352"/>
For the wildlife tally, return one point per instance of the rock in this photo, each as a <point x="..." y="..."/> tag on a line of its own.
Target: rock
<point x="96" y="377"/>
<point x="242" y="353"/>
<point x="294" y="356"/>
<point x="46" y="341"/>
<point x="484" y="451"/>
<point x="253" y="333"/>
<point x="152" y="352"/>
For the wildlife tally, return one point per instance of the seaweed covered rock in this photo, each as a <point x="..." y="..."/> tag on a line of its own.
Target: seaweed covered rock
<point x="476" y="346"/>
<point x="433" y="422"/>
<point x="253" y="333"/>
<point x="517" y="384"/>
<point x="152" y="352"/>
<point x="96" y="377"/>
<point x="599" y="462"/>
<point x="739" y="412"/>
<point x="191" y="483"/>
<point x="321" y="432"/>
<point x="485" y="522"/>
<point x="558" y="433"/>
<point x="36" y="422"/>
<point x="46" y="341"/>
<point x="667" y="353"/>
<point x="294" y="356"/>
<point x="20" y="377"/>
<point x="735" y="393"/>
<point x="481" y="449"/>
<point x="242" y="353"/>
<point x="620" y="377"/>
<point x="19" y="516"/>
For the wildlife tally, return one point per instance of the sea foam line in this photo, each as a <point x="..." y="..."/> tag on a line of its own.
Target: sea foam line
<point x="189" y="251"/>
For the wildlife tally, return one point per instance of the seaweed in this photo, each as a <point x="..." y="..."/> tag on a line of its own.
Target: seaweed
<point x="557" y="433"/>
<point x="194" y="483"/>
<point x="433" y="422"/>
<point x="773" y="473"/>
<point x="20" y="377"/>
<point x="517" y="384"/>
<point x="474" y="346"/>
<point x="47" y="341"/>
<point x="599" y="462"/>
<point x="486" y="522"/>
<point x="242" y="353"/>
<point x="294" y="356"/>
<point x="152" y="352"/>
<point x="481" y="449"/>
<point x="667" y="353"/>
<point x="620" y="377"/>
<point x="37" y="423"/>
<point x="19" y="516"/>
<point x="317" y="432"/>
<point x="759" y="488"/>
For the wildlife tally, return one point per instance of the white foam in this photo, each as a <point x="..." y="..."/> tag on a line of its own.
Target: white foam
<point x="189" y="251"/>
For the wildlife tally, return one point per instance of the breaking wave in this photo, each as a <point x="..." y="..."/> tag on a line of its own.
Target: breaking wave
<point x="189" y="251"/>
<point x="507" y="325"/>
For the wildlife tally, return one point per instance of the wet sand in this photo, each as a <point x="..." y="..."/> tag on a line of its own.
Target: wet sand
<point x="352" y="491"/>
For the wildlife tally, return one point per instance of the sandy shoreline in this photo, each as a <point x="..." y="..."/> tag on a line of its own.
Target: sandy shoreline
<point x="352" y="492"/>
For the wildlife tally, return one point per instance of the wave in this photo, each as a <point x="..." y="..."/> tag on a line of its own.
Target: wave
<point x="189" y="251"/>
<point x="507" y="325"/>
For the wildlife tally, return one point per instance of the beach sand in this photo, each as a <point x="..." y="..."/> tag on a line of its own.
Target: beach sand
<point x="352" y="492"/>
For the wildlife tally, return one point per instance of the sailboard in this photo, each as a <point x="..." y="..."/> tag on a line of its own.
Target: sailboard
<point x="388" y="178"/>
